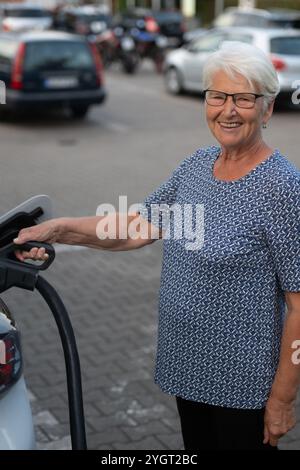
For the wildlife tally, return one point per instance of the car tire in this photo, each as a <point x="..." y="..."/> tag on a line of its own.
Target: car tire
<point x="80" y="111"/>
<point x="130" y="63"/>
<point x="173" y="81"/>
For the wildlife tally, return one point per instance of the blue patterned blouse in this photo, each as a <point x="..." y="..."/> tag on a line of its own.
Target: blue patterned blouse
<point x="221" y="306"/>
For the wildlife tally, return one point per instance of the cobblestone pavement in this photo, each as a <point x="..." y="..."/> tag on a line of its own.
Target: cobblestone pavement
<point x="111" y="297"/>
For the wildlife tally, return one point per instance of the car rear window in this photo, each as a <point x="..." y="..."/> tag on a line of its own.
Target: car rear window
<point x="26" y="13"/>
<point x="57" y="55"/>
<point x="286" y="45"/>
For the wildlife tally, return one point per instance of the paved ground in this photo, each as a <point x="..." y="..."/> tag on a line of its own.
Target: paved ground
<point x="126" y="147"/>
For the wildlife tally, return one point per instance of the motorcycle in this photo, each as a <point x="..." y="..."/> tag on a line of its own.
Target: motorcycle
<point x="151" y="46"/>
<point x="116" y="45"/>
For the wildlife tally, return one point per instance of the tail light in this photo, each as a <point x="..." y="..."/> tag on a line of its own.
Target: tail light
<point x="17" y="70"/>
<point x="10" y="359"/>
<point x="278" y="63"/>
<point x="98" y="64"/>
<point x="151" y="25"/>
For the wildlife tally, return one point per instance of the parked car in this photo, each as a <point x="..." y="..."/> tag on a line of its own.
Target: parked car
<point x="258" y="18"/>
<point x="16" y="429"/>
<point x="18" y="17"/>
<point x="85" y="20"/>
<point x="166" y="23"/>
<point x="50" y="69"/>
<point x="183" y="67"/>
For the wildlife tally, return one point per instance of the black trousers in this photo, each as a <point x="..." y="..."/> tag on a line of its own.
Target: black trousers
<point x="207" y="427"/>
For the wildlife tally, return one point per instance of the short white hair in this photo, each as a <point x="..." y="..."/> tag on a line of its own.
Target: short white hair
<point x="249" y="61"/>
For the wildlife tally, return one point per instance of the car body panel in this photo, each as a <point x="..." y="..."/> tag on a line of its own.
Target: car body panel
<point x="16" y="424"/>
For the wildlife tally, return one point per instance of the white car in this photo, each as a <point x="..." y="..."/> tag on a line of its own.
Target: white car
<point x="16" y="425"/>
<point x="19" y="18"/>
<point x="183" y="67"/>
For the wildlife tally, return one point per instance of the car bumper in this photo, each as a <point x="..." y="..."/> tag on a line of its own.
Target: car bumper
<point x="16" y="426"/>
<point x="18" y="99"/>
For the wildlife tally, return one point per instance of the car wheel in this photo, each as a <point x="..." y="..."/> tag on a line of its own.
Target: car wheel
<point x="173" y="81"/>
<point x="79" y="112"/>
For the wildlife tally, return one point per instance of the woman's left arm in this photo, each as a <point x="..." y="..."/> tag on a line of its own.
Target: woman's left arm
<point x="280" y="408"/>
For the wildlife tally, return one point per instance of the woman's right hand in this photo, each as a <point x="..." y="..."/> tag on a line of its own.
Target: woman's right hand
<point x="48" y="232"/>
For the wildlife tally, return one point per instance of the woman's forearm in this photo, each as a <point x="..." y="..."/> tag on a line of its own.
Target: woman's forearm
<point x="114" y="232"/>
<point x="110" y="232"/>
<point x="287" y="378"/>
<point x="83" y="231"/>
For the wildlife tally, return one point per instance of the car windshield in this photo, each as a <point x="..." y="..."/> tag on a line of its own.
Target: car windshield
<point x="57" y="55"/>
<point x="286" y="23"/>
<point x="286" y="45"/>
<point x="26" y="13"/>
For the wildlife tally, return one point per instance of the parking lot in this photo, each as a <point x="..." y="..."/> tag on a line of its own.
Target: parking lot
<point x="126" y="147"/>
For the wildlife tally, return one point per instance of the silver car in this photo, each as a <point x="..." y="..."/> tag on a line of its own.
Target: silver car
<point x="183" y="67"/>
<point x="19" y="18"/>
<point x="16" y="425"/>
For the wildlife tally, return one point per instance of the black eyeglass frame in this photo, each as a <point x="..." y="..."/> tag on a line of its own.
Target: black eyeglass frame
<point x="256" y="95"/>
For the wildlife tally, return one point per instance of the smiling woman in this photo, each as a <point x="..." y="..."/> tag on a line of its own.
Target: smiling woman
<point x="222" y="349"/>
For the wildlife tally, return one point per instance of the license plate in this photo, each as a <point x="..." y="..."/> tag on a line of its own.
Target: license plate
<point x="61" y="82"/>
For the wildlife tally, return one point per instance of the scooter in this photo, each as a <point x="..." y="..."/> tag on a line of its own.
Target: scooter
<point x="16" y="424"/>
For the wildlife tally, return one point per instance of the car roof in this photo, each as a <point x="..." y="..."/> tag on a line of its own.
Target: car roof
<point x="42" y="36"/>
<point x="256" y="11"/>
<point x="269" y="32"/>
<point x="271" y="13"/>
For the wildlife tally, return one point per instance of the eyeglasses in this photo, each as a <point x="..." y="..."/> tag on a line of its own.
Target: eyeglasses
<point x="241" y="100"/>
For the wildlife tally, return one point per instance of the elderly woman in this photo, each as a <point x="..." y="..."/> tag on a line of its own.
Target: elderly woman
<point x="226" y="345"/>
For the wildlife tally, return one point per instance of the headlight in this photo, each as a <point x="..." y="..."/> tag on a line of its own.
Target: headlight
<point x="161" y="41"/>
<point x="127" y="44"/>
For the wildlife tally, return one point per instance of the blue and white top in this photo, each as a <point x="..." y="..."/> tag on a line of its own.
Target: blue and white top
<point x="221" y="306"/>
